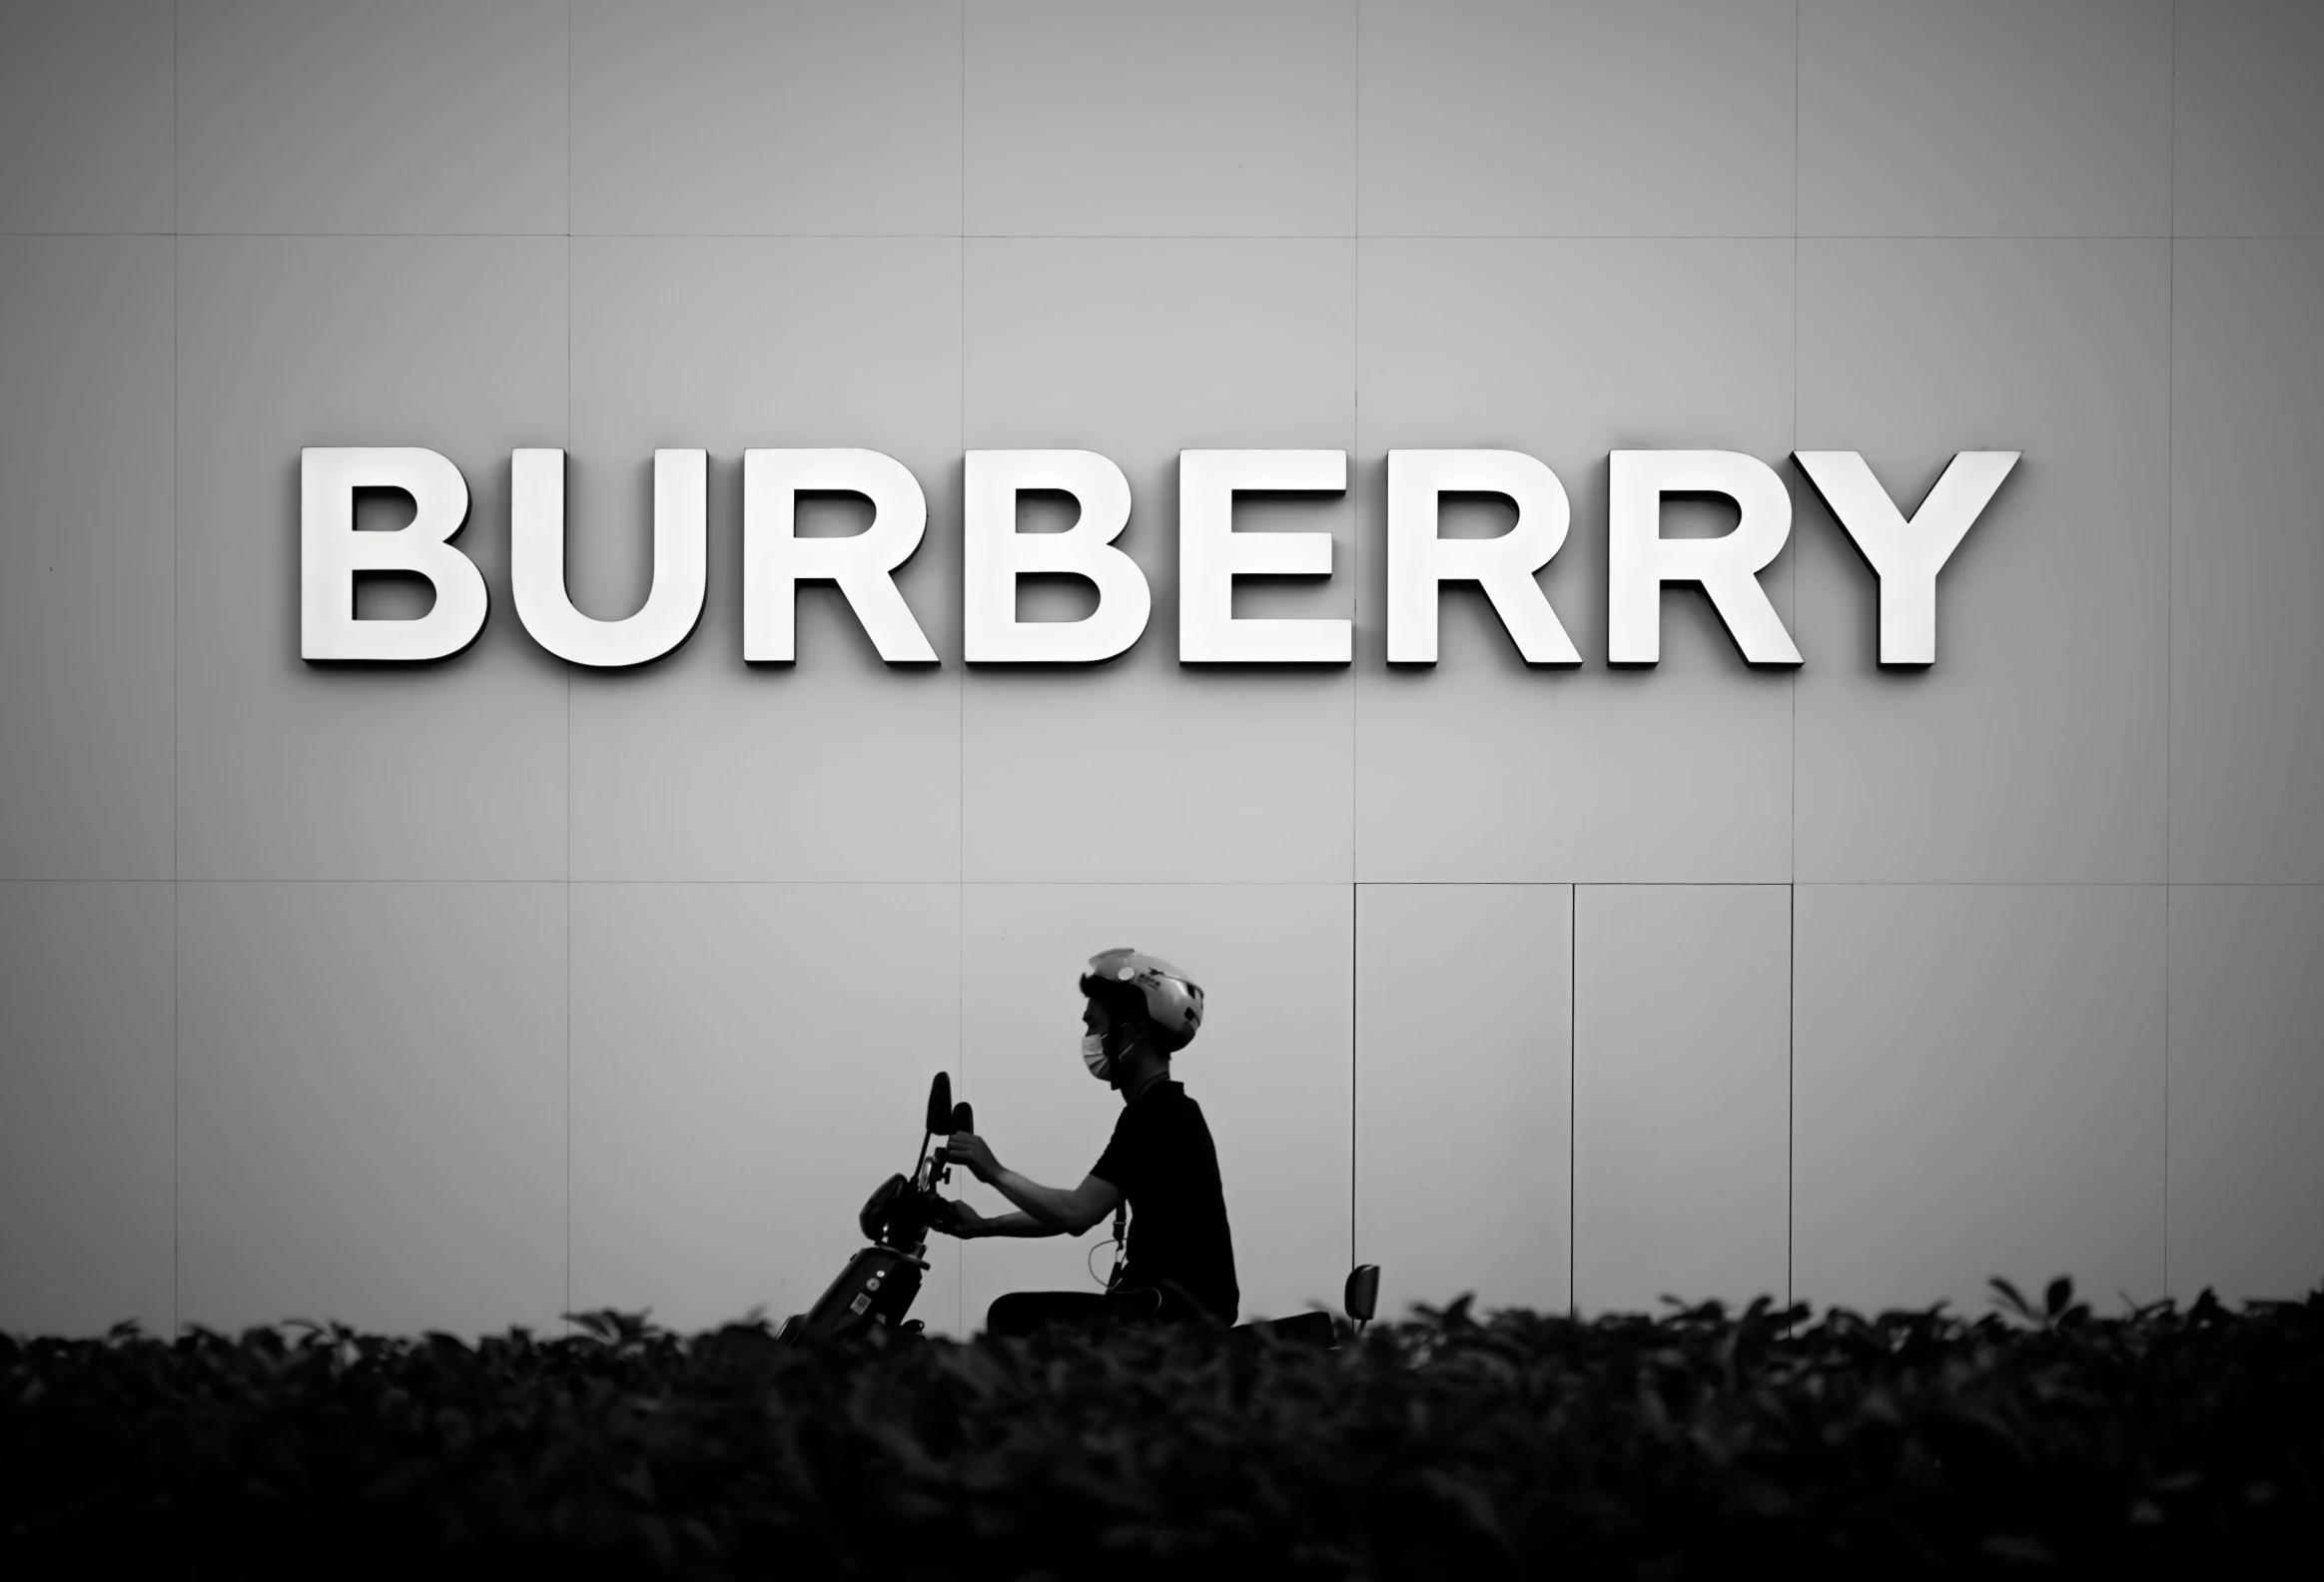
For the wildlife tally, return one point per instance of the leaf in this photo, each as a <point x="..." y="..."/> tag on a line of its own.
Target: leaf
<point x="2012" y="1300"/>
<point x="1472" y="1502"/>
<point x="2020" y="1551"/>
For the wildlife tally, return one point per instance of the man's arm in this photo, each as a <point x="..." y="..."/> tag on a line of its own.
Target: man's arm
<point x="1066" y="1213"/>
<point x="966" y="1223"/>
<point x="1063" y="1211"/>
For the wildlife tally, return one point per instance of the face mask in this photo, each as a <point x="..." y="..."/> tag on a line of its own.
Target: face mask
<point x="1094" y="1056"/>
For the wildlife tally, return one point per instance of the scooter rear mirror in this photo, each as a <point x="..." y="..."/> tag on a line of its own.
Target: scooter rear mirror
<point x="940" y="1102"/>
<point x="1363" y="1291"/>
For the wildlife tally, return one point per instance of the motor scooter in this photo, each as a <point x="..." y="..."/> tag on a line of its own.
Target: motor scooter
<point x="876" y="1287"/>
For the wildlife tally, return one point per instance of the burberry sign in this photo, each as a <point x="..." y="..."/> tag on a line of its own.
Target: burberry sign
<point x="1905" y="553"/>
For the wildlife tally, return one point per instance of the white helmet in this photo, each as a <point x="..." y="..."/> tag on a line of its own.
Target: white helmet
<point x="1171" y="1000"/>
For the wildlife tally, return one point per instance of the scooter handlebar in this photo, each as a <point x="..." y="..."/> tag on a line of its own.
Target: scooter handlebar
<point x="964" y="1119"/>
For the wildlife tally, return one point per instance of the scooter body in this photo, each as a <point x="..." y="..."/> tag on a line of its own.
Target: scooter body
<point x="876" y="1287"/>
<point x="874" y="1291"/>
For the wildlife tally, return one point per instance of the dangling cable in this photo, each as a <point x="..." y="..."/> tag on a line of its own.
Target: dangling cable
<point x="1121" y="1243"/>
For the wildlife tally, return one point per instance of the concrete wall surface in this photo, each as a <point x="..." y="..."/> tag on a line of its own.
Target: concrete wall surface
<point x="467" y="994"/>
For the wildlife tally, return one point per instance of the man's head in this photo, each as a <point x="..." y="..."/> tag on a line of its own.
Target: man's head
<point x="1139" y="1012"/>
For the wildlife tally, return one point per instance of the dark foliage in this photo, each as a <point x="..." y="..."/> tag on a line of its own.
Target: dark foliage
<point x="2041" y="1440"/>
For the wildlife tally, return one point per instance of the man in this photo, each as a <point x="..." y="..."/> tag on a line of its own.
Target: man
<point x="1180" y="1264"/>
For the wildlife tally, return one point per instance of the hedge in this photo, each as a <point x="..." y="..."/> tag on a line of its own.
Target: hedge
<point x="2037" y="1440"/>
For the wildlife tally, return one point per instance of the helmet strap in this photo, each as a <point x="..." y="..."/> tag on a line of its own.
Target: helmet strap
<point x="1120" y="1040"/>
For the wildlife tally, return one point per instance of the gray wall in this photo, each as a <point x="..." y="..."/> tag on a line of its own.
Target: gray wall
<point x="461" y="997"/>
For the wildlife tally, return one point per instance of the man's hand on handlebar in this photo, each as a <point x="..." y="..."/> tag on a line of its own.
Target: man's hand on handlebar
<point x="966" y="1147"/>
<point x="959" y="1219"/>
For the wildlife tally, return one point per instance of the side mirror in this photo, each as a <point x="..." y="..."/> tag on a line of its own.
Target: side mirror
<point x="1363" y="1291"/>
<point x="964" y="1119"/>
<point x="940" y="1102"/>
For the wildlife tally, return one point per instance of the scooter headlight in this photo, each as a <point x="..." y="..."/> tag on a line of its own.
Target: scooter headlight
<point x="874" y="1219"/>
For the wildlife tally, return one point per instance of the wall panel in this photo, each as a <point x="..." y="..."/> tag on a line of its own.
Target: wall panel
<point x="86" y="559"/>
<point x="424" y="117"/>
<point x="88" y="1098"/>
<point x="1984" y="118"/>
<point x="1142" y="769"/>
<point x="372" y="1104"/>
<point x="2246" y="1091"/>
<point x="86" y="96"/>
<point x="2249" y="128"/>
<point x="1206" y="118"/>
<point x="1682" y="1093"/>
<point x="732" y="117"/>
<point x="2247" y="561"/>
<point x="1483" y="768"/>
<point x="293" y="771"/>
<point x="701" y="766"/>
<point x="1978" y="1092"/>
<point x="1464" y="1093"/>
<point x="1499" y="118"/>
<point x="2033" y="749"/>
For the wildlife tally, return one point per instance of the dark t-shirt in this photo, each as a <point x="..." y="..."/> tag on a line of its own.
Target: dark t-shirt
<point x="1161" y="1159"/>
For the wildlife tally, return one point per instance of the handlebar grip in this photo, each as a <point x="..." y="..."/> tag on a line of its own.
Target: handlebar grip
<point x="964" y="1118"/>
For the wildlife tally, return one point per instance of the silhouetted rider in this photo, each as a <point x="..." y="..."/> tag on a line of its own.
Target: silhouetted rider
<point x="1180" y="1256"/>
